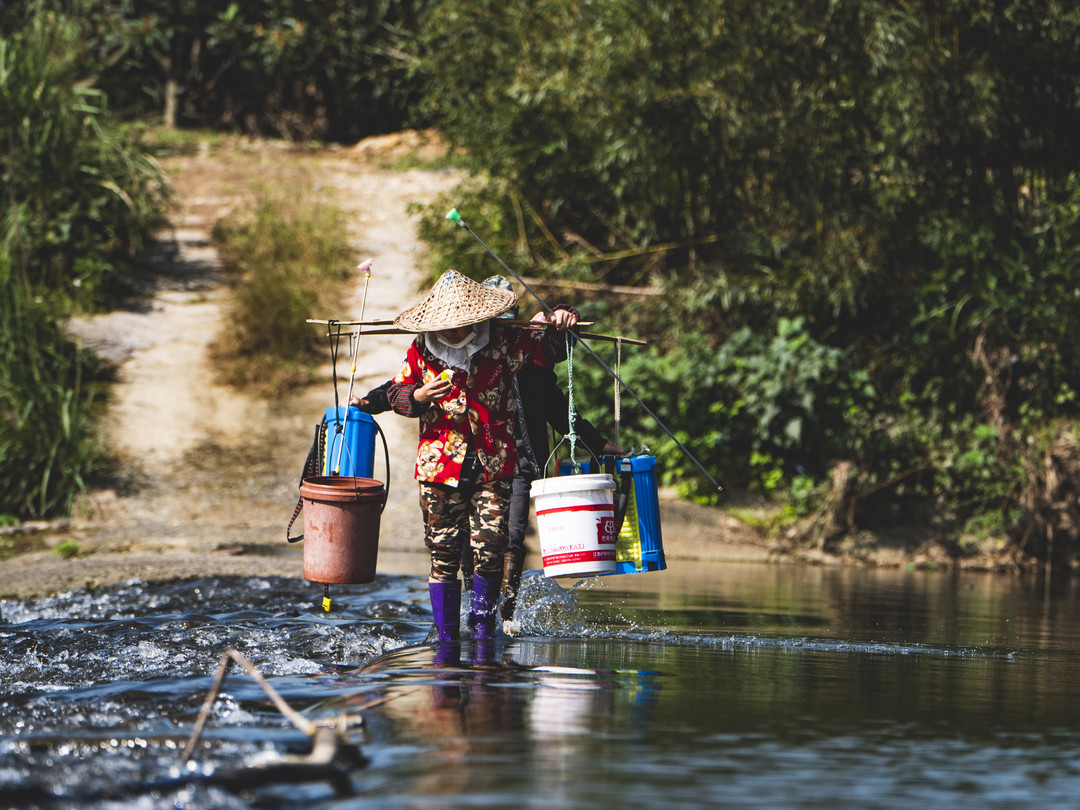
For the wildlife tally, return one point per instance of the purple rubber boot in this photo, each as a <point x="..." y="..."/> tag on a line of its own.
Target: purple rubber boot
<point x="484" y="601"/>
<point x="446" y="608"/>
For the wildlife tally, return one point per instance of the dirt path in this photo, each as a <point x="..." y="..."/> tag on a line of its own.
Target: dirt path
<point x="215" y="472"/>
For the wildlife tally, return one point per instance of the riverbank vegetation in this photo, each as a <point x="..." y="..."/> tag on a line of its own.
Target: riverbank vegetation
<point x="863" y="219"/>
<point x="847" y="229"/>
<point x="79" y="201"/>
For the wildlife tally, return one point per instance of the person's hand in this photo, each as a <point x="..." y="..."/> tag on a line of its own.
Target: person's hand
<point x="612" y="449"/>
<point x="561" y="319"/>
<point x="431" y="391"/>
<point x="360" y="402"/>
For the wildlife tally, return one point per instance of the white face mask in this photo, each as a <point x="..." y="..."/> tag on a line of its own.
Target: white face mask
<point x="468" y="337"/>
<point x="459" y="354"/>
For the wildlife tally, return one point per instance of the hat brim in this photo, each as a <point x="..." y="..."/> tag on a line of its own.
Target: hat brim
<point x="455" y="300"/>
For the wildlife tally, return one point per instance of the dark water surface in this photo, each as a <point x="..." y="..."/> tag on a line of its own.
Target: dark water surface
<point x="705" y="685"/>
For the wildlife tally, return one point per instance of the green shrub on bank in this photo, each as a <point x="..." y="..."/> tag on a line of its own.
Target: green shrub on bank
<point x="292" y="263"/>
<point x="78" y="202"/>
<point x="67" y="550"/>
<point x="48" y="446"/>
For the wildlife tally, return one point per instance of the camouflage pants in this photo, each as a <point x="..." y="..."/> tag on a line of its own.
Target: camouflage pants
<point x="476" y="514"/>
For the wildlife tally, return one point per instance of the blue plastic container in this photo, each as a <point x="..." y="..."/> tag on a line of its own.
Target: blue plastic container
<point x="350" y="443"/>
<point x="566" y="468"/>
<point x="640" y="545"/>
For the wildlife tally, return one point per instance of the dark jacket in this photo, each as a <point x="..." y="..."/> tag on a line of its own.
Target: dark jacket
<point x="542" y="402"/>
<point x="378" y="401"/>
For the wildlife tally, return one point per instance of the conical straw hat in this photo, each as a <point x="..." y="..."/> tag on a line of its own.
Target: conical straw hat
<point x="455" y="300"/>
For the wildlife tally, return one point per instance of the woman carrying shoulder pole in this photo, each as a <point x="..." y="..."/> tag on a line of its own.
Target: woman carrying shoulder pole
<point x="458" y="379"/>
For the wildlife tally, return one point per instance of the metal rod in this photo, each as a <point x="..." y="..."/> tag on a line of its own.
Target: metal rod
<point x="354" y="351"/>
<point x="365" y="266"/>
<point x="454" y="216"/>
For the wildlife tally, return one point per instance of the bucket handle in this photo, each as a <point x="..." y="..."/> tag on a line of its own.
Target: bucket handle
<point x="312" y="466"/>
<point x="386" y="458"/>
<point x="623" y="481"/>
<point x="556" y="450"/>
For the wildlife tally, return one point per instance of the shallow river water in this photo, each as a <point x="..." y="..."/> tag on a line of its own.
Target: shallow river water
<point x="706" y="685"/>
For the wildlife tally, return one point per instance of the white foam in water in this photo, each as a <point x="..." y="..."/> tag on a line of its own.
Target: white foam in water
<point x="228" y="712"/>
<point x="90" y="668"/>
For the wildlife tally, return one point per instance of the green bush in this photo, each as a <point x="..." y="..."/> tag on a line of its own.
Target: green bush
<point x="48" y="445"/>
<point x="81" y="199"/>
<point x="67" y="550"/>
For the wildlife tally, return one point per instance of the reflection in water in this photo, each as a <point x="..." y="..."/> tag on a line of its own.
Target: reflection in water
<point x="728" y="686"/>
<point x="505" y="716"/>
<point x="855" y="604"/>
<point x="468" y="714"/>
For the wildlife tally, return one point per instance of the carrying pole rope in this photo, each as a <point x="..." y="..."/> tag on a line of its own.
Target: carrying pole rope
<point x="571" y="416"/>
<point x="618" y="392"/>
<point x="333" y="332"/>
<point x="354" y="351"/>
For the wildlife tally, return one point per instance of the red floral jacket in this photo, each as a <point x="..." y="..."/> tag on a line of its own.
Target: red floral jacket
<point x="480" y="406"/>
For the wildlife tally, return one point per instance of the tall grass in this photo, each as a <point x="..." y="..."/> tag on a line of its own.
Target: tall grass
<point x="48" y="448"/>
<point x="79" y="198"/>
<point x="292" y="262"/>
<point x="77" y="201"/>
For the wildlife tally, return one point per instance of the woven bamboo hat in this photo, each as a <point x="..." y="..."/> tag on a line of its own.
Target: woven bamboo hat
<point x="455" y="300"/>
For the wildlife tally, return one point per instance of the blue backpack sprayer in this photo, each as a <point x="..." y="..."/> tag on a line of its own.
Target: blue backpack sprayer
<point x="626" y="528"/>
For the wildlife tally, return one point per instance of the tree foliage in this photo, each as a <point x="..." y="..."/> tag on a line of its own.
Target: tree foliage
<point x="863" y="214"/>
<point x="297" y="69"/>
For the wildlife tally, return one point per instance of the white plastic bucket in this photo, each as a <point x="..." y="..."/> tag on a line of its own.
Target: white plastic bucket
<point x="575" y="518"/>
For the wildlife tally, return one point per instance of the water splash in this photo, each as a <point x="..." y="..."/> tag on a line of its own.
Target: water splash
<point x="545" y="608"/>
<point x="103" y="686"/>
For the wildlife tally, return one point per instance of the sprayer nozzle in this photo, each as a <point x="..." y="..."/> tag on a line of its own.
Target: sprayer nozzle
<point x="454" y="216"/>
<point x="365" y="267"/>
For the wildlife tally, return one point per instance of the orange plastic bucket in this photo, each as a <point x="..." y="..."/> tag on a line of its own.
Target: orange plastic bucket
<point x="341" y="528"/>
